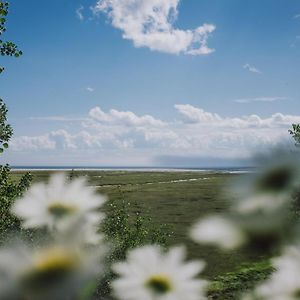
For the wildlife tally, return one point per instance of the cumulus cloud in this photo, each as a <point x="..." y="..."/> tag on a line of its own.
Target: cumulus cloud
<point x="196" y="133"/>
<point x="24" y="143"/>
<point x="260" y="99"/>
<point x="196" y="115"/>
<point x="126" y="118"/>
<point x="150" y="23"/>
<point x="64" y="140"/>
<point x="251" y="69"/>
<point x="59" y="139"/>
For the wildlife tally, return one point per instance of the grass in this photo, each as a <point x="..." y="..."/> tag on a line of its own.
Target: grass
<point x="179" y="199"/>
<point x="230" y="286"/>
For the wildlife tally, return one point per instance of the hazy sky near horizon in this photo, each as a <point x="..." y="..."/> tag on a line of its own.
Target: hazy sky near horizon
<point x="150" y="82"/>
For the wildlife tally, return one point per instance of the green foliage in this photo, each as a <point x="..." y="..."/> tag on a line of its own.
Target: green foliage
<point x="295" y="133"/>
<point x="6" y="130"/>
<point x="9" y="191"/>
<point x="72" y="175"/>
<point x="231" y="285"/>
<point x="6" y="48"/>
<point x="125" y="231"/>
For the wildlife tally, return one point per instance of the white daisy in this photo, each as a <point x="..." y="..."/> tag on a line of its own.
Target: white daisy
<point x="82" y="231"/>
<point x="151" y="274"/>
<point x="218" y="231"/>
<point x="266" y="203"/>
<point x="57" y="203"/>
<point x="54" y="272"/>
<point x="285" y="281"/>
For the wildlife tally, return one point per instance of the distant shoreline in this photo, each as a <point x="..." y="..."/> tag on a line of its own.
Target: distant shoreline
<point x="135" y="169"/>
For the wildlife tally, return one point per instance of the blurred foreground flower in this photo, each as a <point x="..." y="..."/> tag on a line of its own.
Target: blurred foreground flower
<point x="261" y="216"/>
<point x="59" y="204"/>
<point x="285" y="281"/>
<point x="151" y="274"/>
<point x="265" y="203"/>
<point x="53" y="272"/>
<point x="218" y="231"/>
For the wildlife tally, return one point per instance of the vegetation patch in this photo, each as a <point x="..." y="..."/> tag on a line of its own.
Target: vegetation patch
<point x="231" y="285"/>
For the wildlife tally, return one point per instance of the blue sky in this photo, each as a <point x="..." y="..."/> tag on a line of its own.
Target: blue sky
<point x="77" y="59"/>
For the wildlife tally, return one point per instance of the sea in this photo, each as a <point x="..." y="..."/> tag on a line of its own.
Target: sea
<point x="233" y="170"/>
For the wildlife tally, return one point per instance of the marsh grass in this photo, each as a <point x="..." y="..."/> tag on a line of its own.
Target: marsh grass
<point x="231" y="285"/>
<point x="154" y="198"/>
<point x="160" y="207"/>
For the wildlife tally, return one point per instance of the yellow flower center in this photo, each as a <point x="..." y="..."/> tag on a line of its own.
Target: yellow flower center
<point x="55" y="259"/>
<point x="159" y="284"/>
<point x="59" y="209"/>
<point x="51" y="267"/>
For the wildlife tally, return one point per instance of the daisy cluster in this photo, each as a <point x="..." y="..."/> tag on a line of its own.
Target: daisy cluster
<point x="68" y="213"/>
<point x="73" y="258"/>
<point x="264" y="217"/>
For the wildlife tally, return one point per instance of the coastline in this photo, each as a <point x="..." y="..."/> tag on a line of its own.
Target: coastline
<point x="231" y="170"/>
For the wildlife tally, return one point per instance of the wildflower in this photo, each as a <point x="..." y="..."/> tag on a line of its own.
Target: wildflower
<point x="285" y="281"/>
<point x="278" y="175"/>
<point x="265" y="203"/>
<point x="58" y="203"/>
<point x="218" y="231"/>
<point x="150" y="274"/>
<point x="82" y="232"/>
<point x="53" y="272"/>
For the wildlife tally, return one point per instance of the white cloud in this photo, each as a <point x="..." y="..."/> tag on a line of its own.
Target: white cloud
<point x="296" y="16"/>
<point x="126" y="118"/>
<point x="260" y="99"/>
<point x="196" y="115"/>
<point x="150" y="23"/>
<point x="63" y="140"/>
<point x="125" y="135"/>
<point x="39" y="143"/>
<point x="79" y="13"/>
<point x="251" y="69"/>
<point x="90" y="89"/>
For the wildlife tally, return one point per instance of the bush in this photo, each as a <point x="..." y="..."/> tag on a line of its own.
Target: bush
<point x="9" y="191"/>
<point x="125" y="231"/>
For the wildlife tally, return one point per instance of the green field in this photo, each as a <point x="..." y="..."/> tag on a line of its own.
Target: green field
<point x="177" y="199"/>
